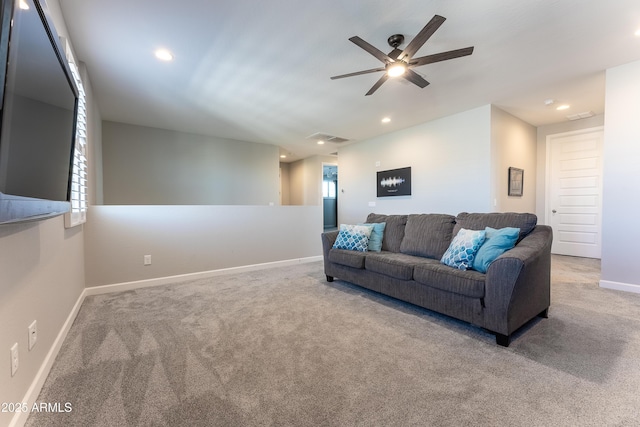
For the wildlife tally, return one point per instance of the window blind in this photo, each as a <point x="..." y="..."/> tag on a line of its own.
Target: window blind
<point x="79" y="203"/>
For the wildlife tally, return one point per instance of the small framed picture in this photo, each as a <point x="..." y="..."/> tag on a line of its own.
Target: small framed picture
<point x="516" y="180"/>
<point x="394" y="182"/>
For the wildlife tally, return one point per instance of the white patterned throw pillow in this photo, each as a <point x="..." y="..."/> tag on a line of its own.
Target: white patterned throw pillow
<point x="463" y="248"/>
<point x="353" y="237"/>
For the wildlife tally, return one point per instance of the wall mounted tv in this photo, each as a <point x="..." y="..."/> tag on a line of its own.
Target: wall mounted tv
<point x="37" y="116"/>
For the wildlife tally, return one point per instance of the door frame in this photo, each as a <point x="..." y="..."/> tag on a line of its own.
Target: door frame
<point x="322" y="198"/>
<point x="547" y="189"/>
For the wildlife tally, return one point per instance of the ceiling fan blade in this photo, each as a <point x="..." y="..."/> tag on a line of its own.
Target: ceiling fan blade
<point x="372" y="49"/>
<point x="443" y="56"/>
<point x="357" y="73"/>
<point x="415" y="78"/>
<point x="375" y="87"/>
<point x="424" y="34"/>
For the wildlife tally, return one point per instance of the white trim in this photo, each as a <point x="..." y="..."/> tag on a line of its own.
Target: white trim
<point x="20" y="418"/>
<point x="127" y="286"/>
<point x="618" y="286"/>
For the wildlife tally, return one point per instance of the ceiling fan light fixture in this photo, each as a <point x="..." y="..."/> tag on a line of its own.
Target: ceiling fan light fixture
<point x="164" y="55"/>
<point x="396" y="69"/>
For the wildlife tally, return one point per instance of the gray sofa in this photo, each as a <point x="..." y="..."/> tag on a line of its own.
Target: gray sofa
<point x="514" y="290"/>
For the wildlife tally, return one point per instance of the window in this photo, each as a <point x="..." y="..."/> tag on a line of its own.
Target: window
<point x="329" y="189"/>
<point x="79" y="203"/>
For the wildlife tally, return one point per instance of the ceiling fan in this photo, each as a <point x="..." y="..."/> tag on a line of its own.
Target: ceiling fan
<point x="399" y="62"/>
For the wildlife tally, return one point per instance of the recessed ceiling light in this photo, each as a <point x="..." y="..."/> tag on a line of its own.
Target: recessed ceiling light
<point x="385" y="120"/>
<point x="637" y="33"/>
<point x="24" y="5"/>
<point x="562" y="107"/>
<point x="320" y="142"/>
<point x="164" y="55"/>
<point x="283" y="156"/>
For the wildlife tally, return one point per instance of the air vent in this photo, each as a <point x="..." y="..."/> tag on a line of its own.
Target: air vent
<point x="320" y="136"/>
<point x="579" y="116"/>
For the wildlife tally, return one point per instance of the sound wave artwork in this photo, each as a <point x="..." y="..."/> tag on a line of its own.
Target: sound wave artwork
<point x="394" y="182"/>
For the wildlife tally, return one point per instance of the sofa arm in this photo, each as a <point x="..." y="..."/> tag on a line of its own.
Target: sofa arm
<point x="518" y="283"/>
<point x="328" y="239"/>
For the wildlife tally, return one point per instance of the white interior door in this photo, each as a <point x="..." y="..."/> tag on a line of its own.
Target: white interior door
<point x="574" y="203"/>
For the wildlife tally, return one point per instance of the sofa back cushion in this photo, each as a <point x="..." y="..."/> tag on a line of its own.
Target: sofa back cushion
<point x="393" y="231"/>
<point x="427" y="235"/>
<point x="526" y="222"/>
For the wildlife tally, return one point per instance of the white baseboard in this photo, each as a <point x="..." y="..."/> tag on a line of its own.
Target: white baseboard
<point x="618" y="286"/>
<point x="127" y="286"/>
<point x="20" y="418"/>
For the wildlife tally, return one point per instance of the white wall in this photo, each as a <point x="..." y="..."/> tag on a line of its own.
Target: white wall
<point x="149" y="166"/>
<point x="450" y="160"/>
<point x="41" y="278"/>
<point x="513" y="144"/>
<point x="192" y="239"/>
<point x="621" y="175"/>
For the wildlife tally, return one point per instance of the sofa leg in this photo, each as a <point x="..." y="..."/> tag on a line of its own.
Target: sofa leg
<point x="544" y="313"/>
<point x="329" y="278"/>
<point x="503" y="340"/>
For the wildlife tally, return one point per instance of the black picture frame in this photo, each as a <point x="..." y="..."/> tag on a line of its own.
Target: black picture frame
<point x="516" y="182"/>
<point x="394" y="182"/>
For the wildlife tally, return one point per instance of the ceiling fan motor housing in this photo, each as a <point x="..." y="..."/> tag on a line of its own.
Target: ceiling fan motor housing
<point x="395" y="40"/>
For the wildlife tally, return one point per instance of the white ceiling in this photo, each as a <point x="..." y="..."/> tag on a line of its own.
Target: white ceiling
<point x="259" y="70"/>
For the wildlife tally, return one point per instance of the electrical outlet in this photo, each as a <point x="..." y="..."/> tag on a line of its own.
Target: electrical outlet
<point x="14" y="359"/>
<point x="33" y="334"/>
<point x="147" y="260"/>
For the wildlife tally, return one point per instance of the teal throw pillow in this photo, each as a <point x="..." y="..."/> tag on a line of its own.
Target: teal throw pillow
<point x="463" y="248"/>
<point x="375" y="240"/>
<point x="496" y="243"/>
<point x="353" y="237"/>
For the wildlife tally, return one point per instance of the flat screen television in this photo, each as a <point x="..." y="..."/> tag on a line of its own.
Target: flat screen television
<point x="39" y="102"/>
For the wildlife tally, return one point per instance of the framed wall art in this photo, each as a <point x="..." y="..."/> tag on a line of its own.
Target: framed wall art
<point x="516" y="181"/>
<point x="394" y="182"/>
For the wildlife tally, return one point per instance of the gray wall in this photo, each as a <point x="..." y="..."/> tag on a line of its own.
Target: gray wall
<point x="458" y="163"/>
<point x="450" y="160"/>
<point x="621" y="175"/>
<point x="41" y="278"/>
<point x="305" y="180"/>
<point x="149" y="166"/>
<point x="192" y="239"/>
<point x="513" y="144"/>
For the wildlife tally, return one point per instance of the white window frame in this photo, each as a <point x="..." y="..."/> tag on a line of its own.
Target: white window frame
<point x="79" y="201"/>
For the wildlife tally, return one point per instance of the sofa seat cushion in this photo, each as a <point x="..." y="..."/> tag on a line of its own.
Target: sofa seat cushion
<point x="427" y="235"/>
<point x="354" y="259"/>
<point x="463" y="282"/>
<point x="396" y="265"/>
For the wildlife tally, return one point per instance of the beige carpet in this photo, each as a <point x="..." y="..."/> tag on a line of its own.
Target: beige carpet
<point x="282" y="347"/>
